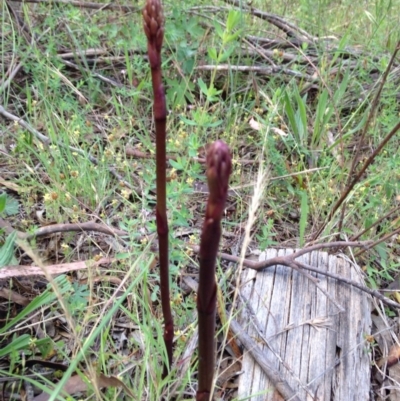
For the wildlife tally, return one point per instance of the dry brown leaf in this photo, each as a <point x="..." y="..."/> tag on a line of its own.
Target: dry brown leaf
<point x="14" y="296"/>
<point x="394" y="376"/>
<point x="12" y="186"/>
<point x="255" y="124"/>
<point x="76" y="384"/>
<point x="392" y="358"/>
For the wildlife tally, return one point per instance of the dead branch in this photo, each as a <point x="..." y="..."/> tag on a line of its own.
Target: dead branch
<point x="281" y="385"/>
<point x="257" y="69"/>
<point x="380" y="240"/>
<point x="377" y="222"/>
<point x="63" y="228"/>
<point x="290" y="261"/>
<point x="106" y="80"/>
<point x="84" y="4"/>
<point x="18" y="271"/>
<point x="341" y="279"/>
<point x="290" y="29"/>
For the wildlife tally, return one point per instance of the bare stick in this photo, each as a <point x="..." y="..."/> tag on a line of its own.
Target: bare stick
<point x="257" y="69"/>
<point x="86" y="4"/>
<point x="219" y="166"/>
<point x="378" y="241"/>
<point x="154" y="30"/>
<point x="287" y="27"/>
<point x="64" y="228"/>
<point x="281" y="385"/>
<point x="379" y="221"/>
<point x="289" y="261"/>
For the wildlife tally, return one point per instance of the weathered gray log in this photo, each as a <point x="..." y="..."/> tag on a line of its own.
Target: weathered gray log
<point x="320" y="352"/>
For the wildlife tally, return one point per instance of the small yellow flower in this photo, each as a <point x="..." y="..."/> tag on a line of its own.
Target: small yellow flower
<point x="125" y="193"/>
<point x="189" y="180"/>
<point x="74" y="173"/>
<point x="64" y="246"/>
<point x="178" y="299"/>
<point x="172" y="174"/>
<point x="51" y="196"/>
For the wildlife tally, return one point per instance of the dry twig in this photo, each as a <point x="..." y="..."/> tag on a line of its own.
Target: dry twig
<point x="290" y="261"/>
<point x="86" y="4"/>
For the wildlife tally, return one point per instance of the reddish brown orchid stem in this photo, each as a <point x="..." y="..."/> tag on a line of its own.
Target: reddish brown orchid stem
<point x="219" y="166"/>
<point x="154" y="30"/>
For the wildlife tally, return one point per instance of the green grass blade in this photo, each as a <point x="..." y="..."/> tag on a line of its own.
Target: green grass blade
<point x="104" y="321"/>
<point x="304" y="208"/>
<point x="46" y="298"/>
<point x="291" y="116"/>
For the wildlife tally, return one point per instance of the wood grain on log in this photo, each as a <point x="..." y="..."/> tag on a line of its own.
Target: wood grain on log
<point x="320" y="352"/>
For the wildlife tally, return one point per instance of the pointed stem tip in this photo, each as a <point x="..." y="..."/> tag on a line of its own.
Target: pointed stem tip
<point x="153" y="23"/>
<point x="219" y="167"/>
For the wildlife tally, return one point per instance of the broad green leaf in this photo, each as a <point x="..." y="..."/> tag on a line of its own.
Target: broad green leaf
<point x="176" y="165"/>
<point x="226" y="54"/>
<point x="230" y="37"/>
<point x="203" y="87"/>
<point x="12" y="206"/>
<point x="212" y="52"/>
<point x="232" y="20"/>
<point x="214" y="124"/>
<point x="188" y="122"/>
<point x="219" y="30"/>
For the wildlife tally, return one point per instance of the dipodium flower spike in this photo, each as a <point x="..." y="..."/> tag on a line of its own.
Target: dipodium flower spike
<point x="219" y="166"/>
<point x="153" y="24"/>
